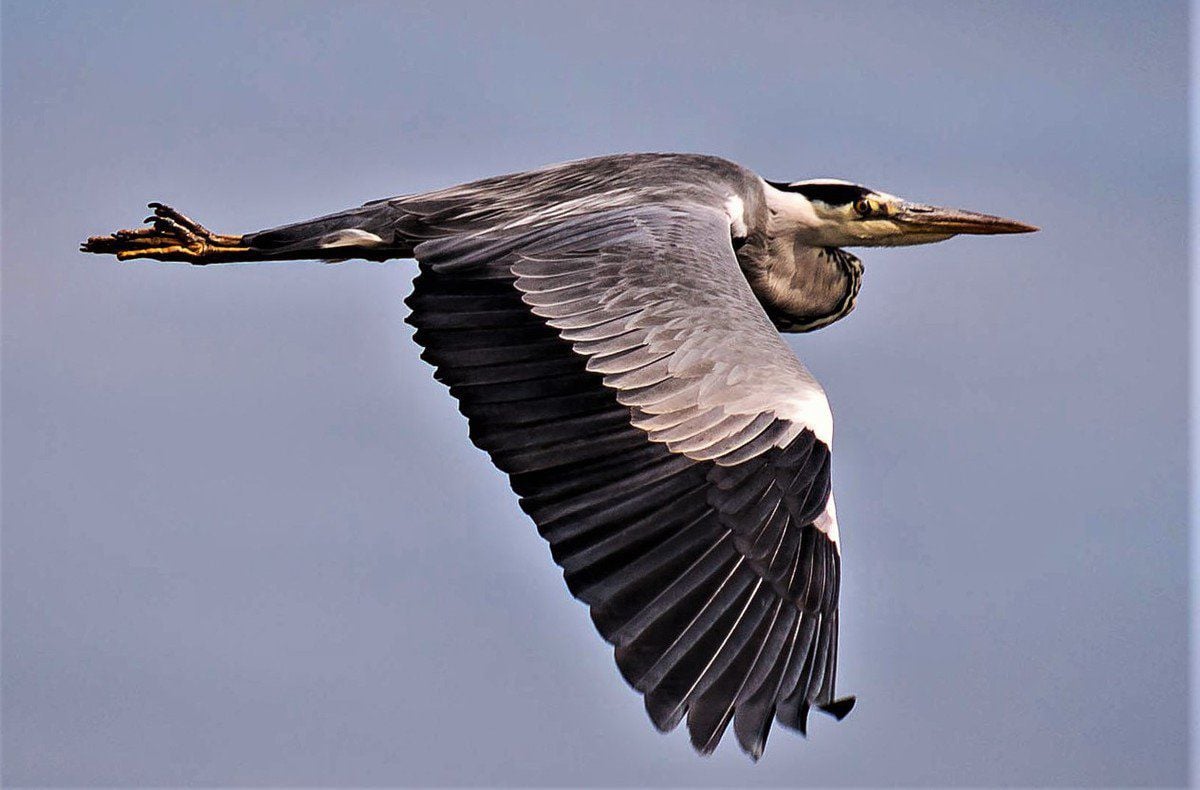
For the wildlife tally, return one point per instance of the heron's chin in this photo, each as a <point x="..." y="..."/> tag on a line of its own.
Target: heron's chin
<point x="912" y="239"/>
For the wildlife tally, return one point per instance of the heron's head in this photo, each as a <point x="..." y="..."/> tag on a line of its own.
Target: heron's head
<point x="841" y="214"/>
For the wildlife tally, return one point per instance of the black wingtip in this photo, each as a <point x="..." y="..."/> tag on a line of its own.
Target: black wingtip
<point x="665" y="714"/>
<point x="751" y="735"/>
<point x="839" y="708"/>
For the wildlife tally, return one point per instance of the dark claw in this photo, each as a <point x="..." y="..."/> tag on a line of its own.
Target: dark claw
<point x="186" y="224"/>
<point x="171" y="227"/>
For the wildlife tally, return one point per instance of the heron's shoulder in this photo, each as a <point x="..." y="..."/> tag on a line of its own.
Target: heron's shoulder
<point x="655" y="159"/>
<point x="650" y="168"/>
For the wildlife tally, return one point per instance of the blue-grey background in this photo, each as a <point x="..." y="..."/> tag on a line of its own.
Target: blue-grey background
<point x="246" y="540"/>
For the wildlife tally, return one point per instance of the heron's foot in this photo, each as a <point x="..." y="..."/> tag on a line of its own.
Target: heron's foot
<point x="168" y="236"/>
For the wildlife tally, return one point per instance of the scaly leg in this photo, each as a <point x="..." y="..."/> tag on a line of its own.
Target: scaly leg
<point x="171" y="236"/>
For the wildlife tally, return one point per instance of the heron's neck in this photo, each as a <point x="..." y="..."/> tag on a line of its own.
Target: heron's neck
<point x="791" y="217"/>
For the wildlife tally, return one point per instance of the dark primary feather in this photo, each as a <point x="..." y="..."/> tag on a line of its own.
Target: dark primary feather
<point x="703" y="567"/>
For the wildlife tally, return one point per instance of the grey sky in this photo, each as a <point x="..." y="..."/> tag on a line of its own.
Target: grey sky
<point x="246" y="540"/>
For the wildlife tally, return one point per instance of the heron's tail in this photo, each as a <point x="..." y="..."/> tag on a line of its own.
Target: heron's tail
<point x="365" y="232"/>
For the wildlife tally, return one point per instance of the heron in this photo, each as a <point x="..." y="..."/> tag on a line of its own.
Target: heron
<point x="611" y="330"/>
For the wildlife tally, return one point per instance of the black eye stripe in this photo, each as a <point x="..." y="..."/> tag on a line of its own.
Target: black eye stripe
<point x="832" y="194"/>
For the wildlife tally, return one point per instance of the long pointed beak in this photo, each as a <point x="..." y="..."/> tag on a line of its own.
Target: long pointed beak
<point x="942" y="221"/>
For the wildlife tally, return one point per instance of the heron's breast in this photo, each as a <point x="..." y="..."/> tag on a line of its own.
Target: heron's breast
<point x="806" y="288"/>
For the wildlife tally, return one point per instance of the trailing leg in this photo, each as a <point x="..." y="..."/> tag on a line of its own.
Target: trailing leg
<point x="172" y="236"/>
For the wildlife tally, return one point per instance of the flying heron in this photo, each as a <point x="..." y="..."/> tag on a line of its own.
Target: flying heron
<point x="610" y="328"/>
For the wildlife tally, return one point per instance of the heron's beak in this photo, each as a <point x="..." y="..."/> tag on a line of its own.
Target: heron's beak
<point x="919" y="218"/>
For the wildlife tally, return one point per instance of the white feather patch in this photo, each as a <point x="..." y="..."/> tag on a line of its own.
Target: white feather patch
<point x="810" y="409"/>
<point x="736" y="209"/>
<point x="827" y="522"/>
<point x="352" y="237"/>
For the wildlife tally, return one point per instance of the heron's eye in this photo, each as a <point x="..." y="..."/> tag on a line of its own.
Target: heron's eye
<point x="863" y="207"/>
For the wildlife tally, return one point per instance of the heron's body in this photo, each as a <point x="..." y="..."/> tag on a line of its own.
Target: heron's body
<point x="802" y="286"/>
<point x="610" y="330"/>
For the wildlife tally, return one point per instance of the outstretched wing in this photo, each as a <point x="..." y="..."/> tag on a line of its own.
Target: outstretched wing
<point x="668" y="445"/>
